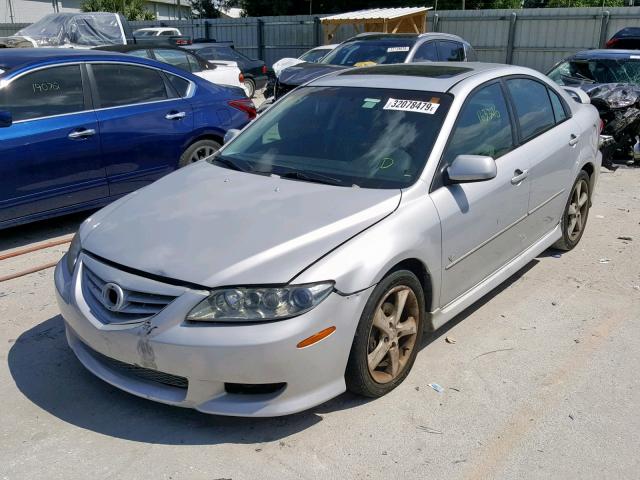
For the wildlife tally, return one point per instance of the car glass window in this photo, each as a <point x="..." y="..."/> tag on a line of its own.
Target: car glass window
<point x="167" y="33"/>
<point x="532" y="104"/>
<point x="450" y="51"/>
<point x="180" y="84"/>
<point x="128" y="85"/>
<point x="372" y="137"/>
<point x="426" y="52"/>
<point x="209" y="53"/>
<point x="369" y="52"/>
<point x="46" y="92"/>
<point x="176" y="58"/>
<point x="483" y="126"/>
<point x="577" y="72"/>
<point x="194" y="64"/>
<point x="314" y="55"/>
<point x="140" y="53"/>
<point x="558" y="108"/>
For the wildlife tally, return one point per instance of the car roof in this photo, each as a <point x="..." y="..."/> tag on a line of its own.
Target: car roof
<point x="602" y="53"/>
<point x="12" y="59"/>
<point x="427" y="76"/>
<point x="627" y="32"/>
<point x="137" y="46"/>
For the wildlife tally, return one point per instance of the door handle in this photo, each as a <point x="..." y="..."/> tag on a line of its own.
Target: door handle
<point x="82" y="133"/>
<point x="175" y="115"/>
<point x="519" y="176"/>
<point x="573" y="139"/>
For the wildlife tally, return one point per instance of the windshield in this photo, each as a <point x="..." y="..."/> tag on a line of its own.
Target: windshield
<point x="369" y="52"/>
<point x="87" y="29"/>
<point x="144" y="33"/>
<point x="370" y="137"/>
<point x="314" y="55"/>
<point x="576" y="72"/>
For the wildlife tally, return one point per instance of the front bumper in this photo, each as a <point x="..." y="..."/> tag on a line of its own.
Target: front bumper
<point x="208" y="355"/>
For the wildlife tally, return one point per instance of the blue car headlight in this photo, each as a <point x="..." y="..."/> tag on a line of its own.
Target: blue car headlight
<point x="259" y="304"/>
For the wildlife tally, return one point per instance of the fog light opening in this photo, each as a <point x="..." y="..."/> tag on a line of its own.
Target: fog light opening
<point x="254" y="388"/>
<point x="316" y="337"/>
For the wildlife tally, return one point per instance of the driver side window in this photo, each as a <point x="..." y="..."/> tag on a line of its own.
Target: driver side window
<point x="483" y="126"/>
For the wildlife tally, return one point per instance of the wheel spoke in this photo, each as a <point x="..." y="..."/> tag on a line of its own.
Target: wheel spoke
<point x="394" y="360"/>
<point x="578" y="190"/>
<point x="401" y="300"/>
<point x="572" y="225"/>
<point x="375" y="357"/>
<point x="583" y="199"/>
<point x="381" y="322"/>
<point x="579" y="223"/>
<point x="408" y="327"/>
<point x="572" y="209"/>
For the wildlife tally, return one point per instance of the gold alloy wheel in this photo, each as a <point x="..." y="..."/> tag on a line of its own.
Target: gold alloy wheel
<point x="578" y="209"/>
<point x="393" y="334"/>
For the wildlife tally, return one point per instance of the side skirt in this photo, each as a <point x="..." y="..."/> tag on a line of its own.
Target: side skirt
<point x="439" y="317"/>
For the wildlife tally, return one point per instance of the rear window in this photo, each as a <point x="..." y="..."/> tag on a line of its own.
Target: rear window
<point x="180" y="84"/>
<point x="533" y="106"/>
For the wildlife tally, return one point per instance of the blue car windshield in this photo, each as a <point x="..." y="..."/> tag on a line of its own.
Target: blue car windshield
<point x="370" y="137"/>
<point x="369" y="52"/>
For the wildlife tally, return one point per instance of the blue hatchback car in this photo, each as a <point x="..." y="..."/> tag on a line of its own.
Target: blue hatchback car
<point x="80" y="128"/>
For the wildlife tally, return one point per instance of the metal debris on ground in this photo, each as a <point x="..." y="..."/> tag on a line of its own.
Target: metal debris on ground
<point x="429" y="429"/>
<point x="625" y="237"/>
<point x="450" y="340"/>
<point x="436" y="387"/>
<point x="604" y="260"/>
<point x="556" y="255"/>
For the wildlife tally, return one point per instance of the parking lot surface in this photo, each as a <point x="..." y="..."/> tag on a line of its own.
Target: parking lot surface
<point x="539" y="381"/>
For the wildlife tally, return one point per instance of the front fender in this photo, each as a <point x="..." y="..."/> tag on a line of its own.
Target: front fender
<point x="411" y="232"/>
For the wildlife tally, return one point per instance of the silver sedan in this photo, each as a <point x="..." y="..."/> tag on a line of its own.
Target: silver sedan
<point x="308" y="255"/>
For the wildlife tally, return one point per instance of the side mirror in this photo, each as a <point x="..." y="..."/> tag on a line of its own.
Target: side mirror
<point x="231" y="134"/>
<point x="472" y="168"/>
<point x="6" y="120"/>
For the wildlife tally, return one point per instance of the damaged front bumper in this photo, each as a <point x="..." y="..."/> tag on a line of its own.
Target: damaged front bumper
<point x="228" y="369"/>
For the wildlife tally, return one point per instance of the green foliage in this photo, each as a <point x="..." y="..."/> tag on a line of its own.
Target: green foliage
<point x="131" y="9"/>
<point x="204" y="9"/>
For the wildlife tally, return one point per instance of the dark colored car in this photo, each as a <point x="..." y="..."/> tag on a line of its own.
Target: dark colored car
<point x="370" y="49"/>
<point x="255" y="71"/>
<point x="80" y="128"/>
<point x="596" y="67"/>
<point x="627" y="38"/>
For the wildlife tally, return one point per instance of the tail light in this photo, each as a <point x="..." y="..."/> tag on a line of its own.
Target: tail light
<point x="264" y="69"/>
<point x="241" y="77"/>
<point x="245" y="105"/>
<point x="611" y="43"/>
<point x="183" y="41"/>
<point x="601" y="126"/>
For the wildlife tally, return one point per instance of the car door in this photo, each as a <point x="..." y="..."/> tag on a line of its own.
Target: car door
<point x="144" y="124"/>
<point x="548" y="137"/>
<point x="50" y="156"/>
<point x="480" y="221"/>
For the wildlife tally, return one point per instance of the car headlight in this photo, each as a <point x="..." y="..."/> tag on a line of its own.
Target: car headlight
<point x="249" y="304"/>
<point x="73" y="252"/>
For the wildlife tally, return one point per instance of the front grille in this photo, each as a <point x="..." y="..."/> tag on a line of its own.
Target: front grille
<point x="137" y="306"/>
<point x="139" y="372"/>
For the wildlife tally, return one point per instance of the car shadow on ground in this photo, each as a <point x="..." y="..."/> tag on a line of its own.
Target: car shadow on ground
<point x="46" y="371"/>
<point x="41" y="231"/>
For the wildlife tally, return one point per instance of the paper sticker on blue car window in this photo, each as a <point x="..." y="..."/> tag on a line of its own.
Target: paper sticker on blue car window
<point x="398" y="49"/>
<point x="417" y="106"/>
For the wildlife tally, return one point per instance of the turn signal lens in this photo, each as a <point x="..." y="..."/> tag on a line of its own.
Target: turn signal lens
<point x="316" y="337"/>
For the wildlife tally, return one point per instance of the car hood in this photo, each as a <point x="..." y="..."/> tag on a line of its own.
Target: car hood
<point x="304" y="72"/>
<point x="212" y="226"/>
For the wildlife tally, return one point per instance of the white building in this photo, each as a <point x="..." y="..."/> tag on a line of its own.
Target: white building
<point x="29" y="11"/>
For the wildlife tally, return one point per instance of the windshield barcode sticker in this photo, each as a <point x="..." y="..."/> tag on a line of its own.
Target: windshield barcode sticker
<point x="413" y="105"/>
<point x="397" y="49"/>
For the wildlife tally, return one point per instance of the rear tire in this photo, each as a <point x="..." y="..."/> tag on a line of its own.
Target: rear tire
<point x="388" y="336"/>
<point x="576" y="211"/>
<point x="198" y="151"/>
<point x="250" y="87"/>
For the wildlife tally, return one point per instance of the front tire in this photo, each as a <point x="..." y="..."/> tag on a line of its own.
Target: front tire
<point x="388" y="336"/>
<point x="250" y="87"/>
<point x="198" y="151"/>
<point x="576" y="211"/>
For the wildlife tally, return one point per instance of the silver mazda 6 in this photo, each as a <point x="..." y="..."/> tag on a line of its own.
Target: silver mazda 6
<point x="308" y="256"/>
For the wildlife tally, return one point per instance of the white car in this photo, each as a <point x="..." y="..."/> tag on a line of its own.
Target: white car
<point x="157" y="32"/>
<point x="312" y="56"/>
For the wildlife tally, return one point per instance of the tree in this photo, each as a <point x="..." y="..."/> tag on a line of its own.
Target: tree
<point x="131" y="9"/>
<point x="204" y="9"/>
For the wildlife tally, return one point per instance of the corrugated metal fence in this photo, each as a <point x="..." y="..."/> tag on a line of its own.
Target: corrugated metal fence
<point x="534" y="38"/>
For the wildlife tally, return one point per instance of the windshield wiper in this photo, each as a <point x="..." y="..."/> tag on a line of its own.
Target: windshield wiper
<point x="312" y="177"/>
<point x="227" y="162"/>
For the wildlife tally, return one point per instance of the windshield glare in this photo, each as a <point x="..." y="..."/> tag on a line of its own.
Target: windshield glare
<point x="369" y="52"/>
<point x="597" y="71"/>
<point x="373" y="138"/>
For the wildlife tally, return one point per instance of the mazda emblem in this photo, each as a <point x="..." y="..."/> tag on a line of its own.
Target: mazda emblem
<point x="113" y="297"/>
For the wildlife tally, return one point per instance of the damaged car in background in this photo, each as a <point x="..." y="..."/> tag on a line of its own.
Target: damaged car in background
<point x="611" y="79"/>
<point x="291" y="266"/>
